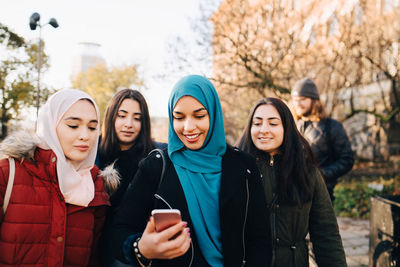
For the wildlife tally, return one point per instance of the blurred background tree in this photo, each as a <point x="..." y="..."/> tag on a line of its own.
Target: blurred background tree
<point x="349" y="48"/>
<point x="102" y="82"/>
<point x="191" y="53"/>
<point x="18" y="76"/>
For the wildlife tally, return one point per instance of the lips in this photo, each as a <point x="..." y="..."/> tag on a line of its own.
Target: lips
<point x="127" y="133"/>
<point x="265" y="139"/>
<point x="82" y="148"/>
<point x="192" y="138"/>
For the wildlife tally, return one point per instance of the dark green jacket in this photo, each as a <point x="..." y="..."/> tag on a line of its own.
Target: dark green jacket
<point x="291" y="223"/>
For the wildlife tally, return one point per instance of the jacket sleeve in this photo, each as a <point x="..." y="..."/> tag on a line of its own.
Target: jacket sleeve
<point x="258" y="244"/>
<point x="323" y="227"/>
<point x="132" y="216"/>
<point x="343" y="158"/>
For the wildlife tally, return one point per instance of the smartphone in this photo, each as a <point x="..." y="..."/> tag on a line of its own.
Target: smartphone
<point x="164" y="218"/>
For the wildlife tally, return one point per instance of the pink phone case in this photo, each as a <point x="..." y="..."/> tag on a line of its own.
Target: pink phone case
<point x="165" y="218"/>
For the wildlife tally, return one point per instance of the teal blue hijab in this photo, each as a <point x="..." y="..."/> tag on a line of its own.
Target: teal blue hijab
<point x="199" y="171"/>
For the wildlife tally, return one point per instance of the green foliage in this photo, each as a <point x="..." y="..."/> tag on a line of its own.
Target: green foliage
<point x="18" y="75"/>
<point x="352" y="197"/>
<point x="102" y="82"/>
<point x="11" y="39"/>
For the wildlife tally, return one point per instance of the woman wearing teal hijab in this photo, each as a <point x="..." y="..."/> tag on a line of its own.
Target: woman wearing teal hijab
<point x="216" y="187"/>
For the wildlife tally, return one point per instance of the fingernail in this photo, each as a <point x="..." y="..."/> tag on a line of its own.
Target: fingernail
<point x="184" y="224"/>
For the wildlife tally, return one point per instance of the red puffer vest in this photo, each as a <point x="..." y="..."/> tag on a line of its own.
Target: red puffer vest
<point x="39" y="228"/>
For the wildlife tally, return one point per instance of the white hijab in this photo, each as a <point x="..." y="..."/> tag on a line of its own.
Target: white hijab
<point x="76" y="185"/>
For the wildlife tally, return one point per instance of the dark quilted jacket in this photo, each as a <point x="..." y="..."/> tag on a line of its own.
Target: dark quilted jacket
<point x="291" y="223"/>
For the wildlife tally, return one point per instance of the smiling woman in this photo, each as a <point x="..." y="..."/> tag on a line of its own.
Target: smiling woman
<point x="216" y="187"/>
<point x="267" y="129"/>
<point x="191" y="122"/>
<point x="294" y="188"/>
<point x="125" y="141"/>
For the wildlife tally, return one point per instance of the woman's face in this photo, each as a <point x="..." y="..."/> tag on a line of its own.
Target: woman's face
<point x="77" y="131"/>
<point x="191" y="122"/>
<point x="128" y="123"/>
<point x="302" y="105"/>
<point x="267" y="129"/>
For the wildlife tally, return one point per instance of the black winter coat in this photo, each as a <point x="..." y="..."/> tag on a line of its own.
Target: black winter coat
<point x="244" y="217"/>
<point x="126" y="163"/>
<point x="331" y="146"/>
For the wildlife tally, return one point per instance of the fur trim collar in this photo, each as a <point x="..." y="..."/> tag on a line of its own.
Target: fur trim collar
<point x="111" y="178"/>
<point x="20" y="145"/>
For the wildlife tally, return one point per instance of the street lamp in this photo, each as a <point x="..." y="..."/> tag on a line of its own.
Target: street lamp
<point x="34" y="21"/>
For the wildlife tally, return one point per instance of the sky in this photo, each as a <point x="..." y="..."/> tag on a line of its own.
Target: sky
<point x="129" y="32"/>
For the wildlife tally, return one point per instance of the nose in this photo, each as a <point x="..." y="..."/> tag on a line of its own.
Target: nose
<point x="129" y="123"/>
<point x="189" y="125"/>
<point x="84" y="133"/>
<point x="264" y="128"/>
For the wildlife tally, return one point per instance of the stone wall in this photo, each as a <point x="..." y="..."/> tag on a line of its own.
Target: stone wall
<point x="371" y="139"/>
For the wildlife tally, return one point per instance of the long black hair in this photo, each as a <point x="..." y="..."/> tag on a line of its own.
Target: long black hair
<point x="109" y="145"/>
<point x="296" y="157"/>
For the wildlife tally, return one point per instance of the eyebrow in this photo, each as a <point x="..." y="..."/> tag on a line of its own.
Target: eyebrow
<point x="135" y="113"/>
<point x="79" y="119"/>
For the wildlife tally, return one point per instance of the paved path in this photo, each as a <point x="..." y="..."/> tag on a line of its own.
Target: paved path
<point x="355" y="237"/>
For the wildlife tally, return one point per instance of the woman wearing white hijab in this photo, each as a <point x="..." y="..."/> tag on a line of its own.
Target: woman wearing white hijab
<point x="58" y="200"/>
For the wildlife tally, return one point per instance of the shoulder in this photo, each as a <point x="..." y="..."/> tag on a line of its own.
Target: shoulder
<point x="236" y="158"/>
<point x="160" y="145"/>
<point x="316" y="177"/>
<point x="156" y="153"/>
<point x="335" y="128"/>
<point x="96" y="176"/>
<point x="21" y="145"/>
<point x="155" y="159"/>
<point x="235" y="152"/>
<point x="332" y="123"/>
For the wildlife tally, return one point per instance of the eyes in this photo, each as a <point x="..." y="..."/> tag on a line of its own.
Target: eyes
<point x="259" y="123"/>
<point x="91" y="128"/>
<point x="137" y="117"/>
<point x="181" y="117"/>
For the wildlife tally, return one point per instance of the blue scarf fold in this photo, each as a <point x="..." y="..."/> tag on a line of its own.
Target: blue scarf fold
<point x="199" y="171"/>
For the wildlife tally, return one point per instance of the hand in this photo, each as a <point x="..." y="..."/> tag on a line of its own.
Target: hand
<point x="160" y="245"/>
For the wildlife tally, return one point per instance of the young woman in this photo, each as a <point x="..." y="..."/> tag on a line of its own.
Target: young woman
<point x="217" y="189"/>
<point x="294" y="188"/>
<point x="58" y="201"/>
<point x="326" y="136"/>
<point x="125" y="140"/>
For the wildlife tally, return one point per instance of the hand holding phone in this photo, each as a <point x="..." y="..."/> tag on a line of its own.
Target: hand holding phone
<point x="164" y="218"/>
<point x="164" y="227"/>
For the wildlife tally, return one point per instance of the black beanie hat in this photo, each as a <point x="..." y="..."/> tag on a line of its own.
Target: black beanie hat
<point x="305" y="87"/>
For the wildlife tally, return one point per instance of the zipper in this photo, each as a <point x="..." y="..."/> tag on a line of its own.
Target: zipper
<point x="245" y="221"/>
<point x="273" y="227"/>
<point x="271" y="161"/>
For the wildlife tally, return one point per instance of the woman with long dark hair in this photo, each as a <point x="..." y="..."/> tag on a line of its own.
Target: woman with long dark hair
<point x="296" y="195"/>
<point x="125" y="140"/>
